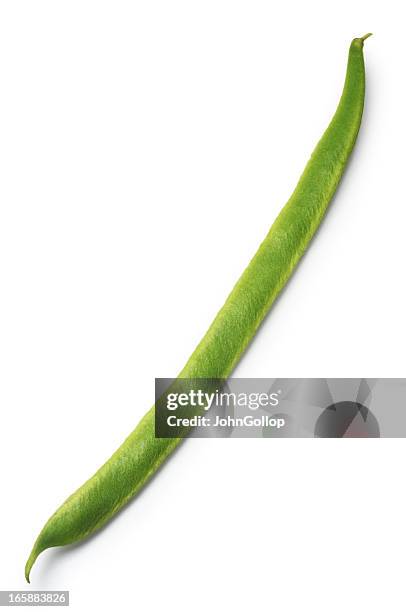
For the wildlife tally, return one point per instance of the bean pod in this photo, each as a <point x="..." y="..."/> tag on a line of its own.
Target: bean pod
<point x="141" y="454"/>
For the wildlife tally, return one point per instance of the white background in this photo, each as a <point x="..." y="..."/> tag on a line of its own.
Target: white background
<point x="145" y="149"/>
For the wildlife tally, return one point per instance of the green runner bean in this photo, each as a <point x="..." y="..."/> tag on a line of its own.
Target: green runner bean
<point x="131" y="466"/>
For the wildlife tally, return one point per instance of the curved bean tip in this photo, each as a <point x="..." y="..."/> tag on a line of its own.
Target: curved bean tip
<point x="28" y="566"/>
<point x="27" y="574"/>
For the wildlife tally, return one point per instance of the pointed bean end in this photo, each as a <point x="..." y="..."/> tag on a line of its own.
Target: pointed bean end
<point x="31" y="560"/>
